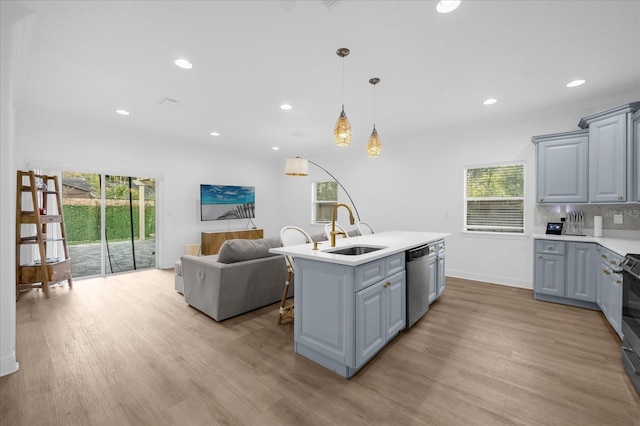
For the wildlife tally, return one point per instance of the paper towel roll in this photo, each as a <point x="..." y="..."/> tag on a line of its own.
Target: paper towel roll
<point x="597" y="226"/>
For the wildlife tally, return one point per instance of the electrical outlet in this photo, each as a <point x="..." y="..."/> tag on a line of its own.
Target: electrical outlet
<point x="617" y="219"/>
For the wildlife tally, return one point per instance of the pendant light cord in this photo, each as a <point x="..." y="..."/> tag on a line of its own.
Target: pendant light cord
<point x="343" y="83"/>
<point x="374" y="106"/>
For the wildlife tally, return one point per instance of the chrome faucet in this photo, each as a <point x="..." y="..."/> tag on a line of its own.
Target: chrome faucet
<point x="334" y="216"/>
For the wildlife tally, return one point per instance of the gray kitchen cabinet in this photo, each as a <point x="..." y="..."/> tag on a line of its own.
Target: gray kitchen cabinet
<point x="379" y="316"/>
<point x="609" y="284"/>
<point x="350" y="313"/>
<point x="562" y="167"/>
<point x="441" y="279"/>
<point x="432" y="273"/>
<point x="579" y="274"/>
<point x="608" y="160"/>
<point x="549" y="269"/>
<point x="612" y="160"/>
<point x="581" y="271"/>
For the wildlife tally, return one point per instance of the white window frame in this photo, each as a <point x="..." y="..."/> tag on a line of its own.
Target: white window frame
<point x="493" y="229"/>
<point x="315" y="202"/>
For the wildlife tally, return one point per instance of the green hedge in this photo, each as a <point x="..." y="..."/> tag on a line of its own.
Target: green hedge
<point x="82" y="223"/>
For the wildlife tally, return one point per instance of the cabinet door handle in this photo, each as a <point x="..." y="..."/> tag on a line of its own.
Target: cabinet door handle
<point x="387" y="284"/>
<point x="613" y="262"/>
<point x="604" y="256"/>
<point x="539" y="256"/>
<point x="618" y="282"/>
<point x="550" y="248"/>
<point x="619" y="197"/>
<point x="541" y="199"/>
<point x="604" y="271"/>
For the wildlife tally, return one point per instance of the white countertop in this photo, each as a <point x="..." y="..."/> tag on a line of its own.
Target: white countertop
<point x="392" y="241"/>
<point x="622" y="246"/>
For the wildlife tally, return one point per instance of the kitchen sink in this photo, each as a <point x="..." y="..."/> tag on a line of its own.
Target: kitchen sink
<point x="354" y="250"/>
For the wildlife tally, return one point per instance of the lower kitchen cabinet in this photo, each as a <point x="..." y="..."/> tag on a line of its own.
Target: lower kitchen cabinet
<point x="345" y="315"/>
<point x="441" y="280"/>
<point x="579" y="274"/>
<point x="549" y="270"/>
<point x="432" y="273"/>
<point x="581" y="271"/>
<point x="436" y="271"/>
<point x="379" y="316"/>
<point x="609" y="289"/>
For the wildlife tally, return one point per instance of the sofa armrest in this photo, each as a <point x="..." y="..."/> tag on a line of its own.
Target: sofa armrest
<point x="202" y="276"/>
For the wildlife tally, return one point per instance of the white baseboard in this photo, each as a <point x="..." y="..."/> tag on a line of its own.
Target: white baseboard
<point x="493" y="279"/>
<point x="8" y="365"/>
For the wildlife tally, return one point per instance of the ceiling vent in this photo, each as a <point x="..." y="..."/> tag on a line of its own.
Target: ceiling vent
<point x="329" y="3"/>
<point x="166" y="101"/>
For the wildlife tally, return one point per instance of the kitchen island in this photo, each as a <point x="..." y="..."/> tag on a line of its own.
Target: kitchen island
<point x="349" y="306"/>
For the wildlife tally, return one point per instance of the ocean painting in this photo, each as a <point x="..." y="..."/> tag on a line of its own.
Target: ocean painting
<point x="222" y="202"/>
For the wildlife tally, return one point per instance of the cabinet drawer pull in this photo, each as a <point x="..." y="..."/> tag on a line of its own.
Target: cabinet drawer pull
<point x="613" y="262"/>
<point x="604" y="256"/>
<point x="619" y="197"/>
<point x="550" y="248"/>
<point x="604" y="271"/>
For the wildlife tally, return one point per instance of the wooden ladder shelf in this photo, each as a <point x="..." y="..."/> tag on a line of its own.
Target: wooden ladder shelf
<point x="39" y="222"/>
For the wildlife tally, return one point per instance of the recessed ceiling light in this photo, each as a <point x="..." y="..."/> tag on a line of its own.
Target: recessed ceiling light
<point x="183" y="63"/>
<point x="489" y="101"/>
<point x="285" y="107"/>
<point x="275" y="148"/>
<point x="214" y="134"/>
<point x="446" y="6"/>
<point x="122" y="112"/>
<point x="576" y="83"/>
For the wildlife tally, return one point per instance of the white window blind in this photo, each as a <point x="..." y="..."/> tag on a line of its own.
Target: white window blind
<point x="494" y="199"/>
<point x="324" y="197"/>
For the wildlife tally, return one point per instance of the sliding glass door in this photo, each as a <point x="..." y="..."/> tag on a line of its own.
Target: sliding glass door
<point x="110" y="223"/>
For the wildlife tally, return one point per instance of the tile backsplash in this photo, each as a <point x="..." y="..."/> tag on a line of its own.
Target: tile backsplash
<point x="630" y="215"/>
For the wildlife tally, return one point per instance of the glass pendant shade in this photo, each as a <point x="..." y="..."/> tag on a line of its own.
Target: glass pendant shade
<point x="342" y="132"/>
<point x="374" y="147"/>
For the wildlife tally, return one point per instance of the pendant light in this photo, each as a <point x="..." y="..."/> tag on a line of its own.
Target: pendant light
<point x="342" y="131"/>
<point x="374" y="147"/>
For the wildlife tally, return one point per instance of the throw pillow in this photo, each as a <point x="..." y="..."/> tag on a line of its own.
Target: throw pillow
<point x="239" y="250"/>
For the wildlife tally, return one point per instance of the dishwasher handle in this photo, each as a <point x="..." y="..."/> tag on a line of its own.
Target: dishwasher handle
<point x="417" y="253"/>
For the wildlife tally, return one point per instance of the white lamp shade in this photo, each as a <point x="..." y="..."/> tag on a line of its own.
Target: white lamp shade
<point x="296" y="167"/>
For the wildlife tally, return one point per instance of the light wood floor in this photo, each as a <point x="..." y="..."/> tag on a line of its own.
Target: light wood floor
<point x="127" y="350"/>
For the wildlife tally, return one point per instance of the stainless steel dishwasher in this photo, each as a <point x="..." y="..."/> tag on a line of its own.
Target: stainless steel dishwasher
<point x="418" y="275"/>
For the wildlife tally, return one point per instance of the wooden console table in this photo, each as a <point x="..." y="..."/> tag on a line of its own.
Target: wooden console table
<point x="212" y="241"/>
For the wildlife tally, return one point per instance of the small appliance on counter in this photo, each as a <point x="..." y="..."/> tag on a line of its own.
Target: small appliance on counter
<point x="574" y="223"/>
<point x="555" y="228"/>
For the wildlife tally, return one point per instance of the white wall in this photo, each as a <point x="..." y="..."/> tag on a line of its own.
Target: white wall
<point x="418" y="184"/>
<point x="54" y="142"/>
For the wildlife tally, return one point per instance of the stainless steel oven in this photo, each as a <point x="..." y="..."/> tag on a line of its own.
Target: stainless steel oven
<point x="631" y="317"/>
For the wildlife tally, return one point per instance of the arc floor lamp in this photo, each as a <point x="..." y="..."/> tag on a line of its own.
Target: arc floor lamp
<point x="300" y="167"/>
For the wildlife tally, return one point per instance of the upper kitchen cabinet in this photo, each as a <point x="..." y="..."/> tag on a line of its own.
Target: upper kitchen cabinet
<point x="636" y="144"/>
<point x="562" y="166"/>
<point x="599" y="164"/>
<point x="612" y="159"/>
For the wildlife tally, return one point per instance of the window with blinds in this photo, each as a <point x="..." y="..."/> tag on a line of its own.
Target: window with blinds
<point x="494" y="199"/>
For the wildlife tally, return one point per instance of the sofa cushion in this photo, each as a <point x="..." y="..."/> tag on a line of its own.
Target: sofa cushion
<point x="239" y="250"/>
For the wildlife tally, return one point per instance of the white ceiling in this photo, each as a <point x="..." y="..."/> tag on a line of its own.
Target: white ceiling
<point x="89" y="58"/>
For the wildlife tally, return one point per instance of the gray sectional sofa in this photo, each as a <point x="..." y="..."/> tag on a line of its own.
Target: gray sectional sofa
<point x="242" y="277"/>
